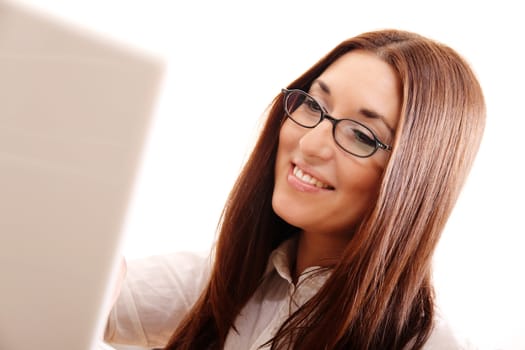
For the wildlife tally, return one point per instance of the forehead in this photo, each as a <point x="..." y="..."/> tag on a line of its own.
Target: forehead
<point x="361" y="80"/>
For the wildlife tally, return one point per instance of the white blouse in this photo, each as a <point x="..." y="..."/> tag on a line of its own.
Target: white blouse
<point x="159" y="290"/>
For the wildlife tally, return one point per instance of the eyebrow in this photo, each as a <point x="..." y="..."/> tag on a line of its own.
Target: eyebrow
<point x="364" y="111"/>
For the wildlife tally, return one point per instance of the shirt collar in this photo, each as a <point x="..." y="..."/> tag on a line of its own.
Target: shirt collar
<point x="281" y="258"/>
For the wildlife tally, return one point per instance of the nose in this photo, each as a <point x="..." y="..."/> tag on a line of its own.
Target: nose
<point x="318" y="143"/>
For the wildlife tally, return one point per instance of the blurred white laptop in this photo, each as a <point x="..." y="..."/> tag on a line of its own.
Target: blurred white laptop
<point x="74" y="113"/>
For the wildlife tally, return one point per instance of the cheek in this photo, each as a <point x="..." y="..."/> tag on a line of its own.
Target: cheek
<point x="289" y="134"/>
<point x="361" y="174"/>
<point x="359" y="183"/>
<point x="288" y="141"/>
<point x="360" y="179"/>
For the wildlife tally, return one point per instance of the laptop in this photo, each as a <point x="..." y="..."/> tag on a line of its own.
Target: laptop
<point x="75" y="110"/>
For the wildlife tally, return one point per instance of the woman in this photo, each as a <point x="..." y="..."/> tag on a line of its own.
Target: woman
<point x="327" y="237"/>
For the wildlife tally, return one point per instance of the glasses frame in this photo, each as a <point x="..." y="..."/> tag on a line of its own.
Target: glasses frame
<point x="334" y="121"/>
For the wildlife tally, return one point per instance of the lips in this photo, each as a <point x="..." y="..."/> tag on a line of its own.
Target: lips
<point x="309" y="179"/>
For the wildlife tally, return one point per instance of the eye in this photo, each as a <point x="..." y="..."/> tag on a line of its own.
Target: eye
<point x="313" y="105"/>
<point x="364" y="138"/>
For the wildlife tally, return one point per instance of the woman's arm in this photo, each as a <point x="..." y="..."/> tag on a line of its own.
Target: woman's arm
<point x="155" y="294"/>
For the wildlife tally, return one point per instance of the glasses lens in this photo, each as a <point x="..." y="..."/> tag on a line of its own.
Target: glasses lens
<point x="355" y="138"/>
<point x="302" y="109"/>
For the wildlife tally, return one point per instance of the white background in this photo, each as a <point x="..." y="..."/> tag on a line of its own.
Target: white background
<point x="226" y="60"/>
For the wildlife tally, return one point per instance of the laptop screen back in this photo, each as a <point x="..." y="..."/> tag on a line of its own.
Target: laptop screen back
<point x="74" y="112"/>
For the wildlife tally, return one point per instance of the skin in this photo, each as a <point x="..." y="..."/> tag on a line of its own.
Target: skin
<point x="357" y="82"/>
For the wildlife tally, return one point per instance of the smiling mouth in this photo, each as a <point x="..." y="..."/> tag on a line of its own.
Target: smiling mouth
<point x="309" y="179"/>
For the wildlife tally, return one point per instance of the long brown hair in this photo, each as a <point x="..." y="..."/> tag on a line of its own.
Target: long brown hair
<point x="380" y="294"/>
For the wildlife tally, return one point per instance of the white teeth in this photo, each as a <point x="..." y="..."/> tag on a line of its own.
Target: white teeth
<point x="308" y="178"/>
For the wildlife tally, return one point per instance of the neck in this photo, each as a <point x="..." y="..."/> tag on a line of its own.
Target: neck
<point x="314" y="249"/>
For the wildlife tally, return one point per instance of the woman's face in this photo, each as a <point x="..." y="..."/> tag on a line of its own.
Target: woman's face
<point x="359" y="86"/>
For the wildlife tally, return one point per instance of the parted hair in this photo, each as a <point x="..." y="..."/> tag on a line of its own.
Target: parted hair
<point x="379" y="294"/>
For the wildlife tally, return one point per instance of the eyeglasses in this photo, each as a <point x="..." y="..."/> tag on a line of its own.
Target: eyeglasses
<point x="352" y="136"/>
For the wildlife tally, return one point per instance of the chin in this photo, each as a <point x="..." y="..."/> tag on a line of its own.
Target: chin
<point x="285" y="210"/>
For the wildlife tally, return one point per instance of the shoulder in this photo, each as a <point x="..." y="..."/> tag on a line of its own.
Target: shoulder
<point x="444" y="336"/>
